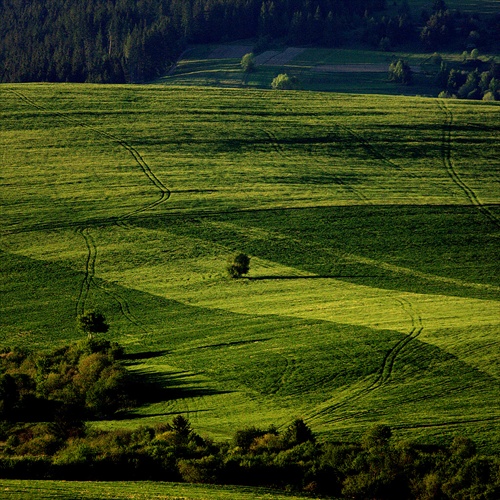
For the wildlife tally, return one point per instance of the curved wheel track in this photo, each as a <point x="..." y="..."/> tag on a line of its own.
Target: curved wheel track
<point x="285" y="375"/>
<point x="89" y="281"/>
<point x="164" y="191"/>
<point x="372" y="150"/>
<point x="384" y="372"/>
<point x="124" y="307"/>
<point x="274" y="141"/>
<point x="446" y="148"/>
<point x="89" y="271"/>
<point x="121" y="221"/>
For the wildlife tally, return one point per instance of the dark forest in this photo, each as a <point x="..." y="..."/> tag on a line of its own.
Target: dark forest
<point x="119" y="41"/>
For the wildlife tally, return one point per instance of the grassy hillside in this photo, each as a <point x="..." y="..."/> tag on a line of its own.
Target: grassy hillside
<point x="372" y="223"/>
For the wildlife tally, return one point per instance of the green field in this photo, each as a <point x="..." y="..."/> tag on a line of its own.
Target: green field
<point x="144" y="490"/>
<point x="372" y="223"/>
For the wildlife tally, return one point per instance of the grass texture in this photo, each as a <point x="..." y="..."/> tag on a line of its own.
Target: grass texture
<point x="372" y="223"/>
<point x="144" y="490"/>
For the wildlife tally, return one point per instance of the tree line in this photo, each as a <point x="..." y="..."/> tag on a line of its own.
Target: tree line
<point x="472" y="79"/>
<point x="127" y="41"/>
<point x="376" y="467"/>
<point x="45" y="400"/>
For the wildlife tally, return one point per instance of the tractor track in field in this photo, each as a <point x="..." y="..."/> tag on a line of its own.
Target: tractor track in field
<point x="89" y="281"/>
<point x="416" y="329"/>
<point x="124" y="307"/>
<point x="287" y="372"/>
<point x="121" y="221"/>
<point x="164" y="191"/>
<point x="89" y="272"/>
<point x="446" y="149"/>
<point x="280" y="150"/>
<point x="373" y="151"/>
<point x="384" y="373"/>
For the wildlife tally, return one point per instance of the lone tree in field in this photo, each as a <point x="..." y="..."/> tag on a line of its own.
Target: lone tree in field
<point x="248" y="62"/>
<point x="238" y="265"/>
<point x="92" y="322"/>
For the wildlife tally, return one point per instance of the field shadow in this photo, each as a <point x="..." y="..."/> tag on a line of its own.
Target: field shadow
<point x="135" y="416"/>
<point x="156" y="387"/>
<point x="231" y="344"/>
<point x="145" y="355"/>
<point x="316" y="276"/>
<point x="320" y="179"/>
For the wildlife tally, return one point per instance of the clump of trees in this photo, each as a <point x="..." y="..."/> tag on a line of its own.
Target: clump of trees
<point x="285" y="82"/>
<point x="248" y="62"/>
<point x="130" y="41"/>
<point x="472" y="80"/>
<point x="400" y="72"/>
<point x="86" y="378"/>
<point x="45" y="399"/>
<point x="92" y="41"/>
<point x="92" y="322"/>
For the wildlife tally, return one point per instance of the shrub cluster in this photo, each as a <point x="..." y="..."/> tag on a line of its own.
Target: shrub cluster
<point x="85" y="379"/>
<point x="285" y="82"/>
<point x="400" y="72"/>
<point x="238" y="265"/>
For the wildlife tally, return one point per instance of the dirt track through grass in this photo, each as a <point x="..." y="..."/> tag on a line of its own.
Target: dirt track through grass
<point x="383" y="373"/>
<point x="164" y="191"/>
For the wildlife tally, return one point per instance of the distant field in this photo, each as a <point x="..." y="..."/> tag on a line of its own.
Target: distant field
<point x="317" y="69"/>
<point x="219" y="65"/>
<point x="144" y="490"/>
<point x="478" y="6"/>
<point x="372" y="223"/>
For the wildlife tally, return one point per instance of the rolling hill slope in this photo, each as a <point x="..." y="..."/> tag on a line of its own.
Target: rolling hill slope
<point x="372" y="223"/>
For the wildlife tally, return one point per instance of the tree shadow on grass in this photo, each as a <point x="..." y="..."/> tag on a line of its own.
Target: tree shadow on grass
<point x="156" y="387"/>
<point x="316" y="276"/>
<point x="137" y="356"/>
<point x="232" y="344"/>
<point x="135" y="416"/>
